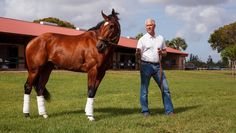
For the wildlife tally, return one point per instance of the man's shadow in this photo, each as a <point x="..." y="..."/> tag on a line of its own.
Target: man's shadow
<point x="114" y="112"/>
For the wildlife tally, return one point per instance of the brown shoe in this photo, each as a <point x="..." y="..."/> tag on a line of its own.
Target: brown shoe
<point x="171" y="114"/>
<point x="146" y="114"/>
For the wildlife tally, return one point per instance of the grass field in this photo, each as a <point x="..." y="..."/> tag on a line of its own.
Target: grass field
<point x="204" y="101"/>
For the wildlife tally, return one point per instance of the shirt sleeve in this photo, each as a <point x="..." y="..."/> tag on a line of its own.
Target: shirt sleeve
<point x="139" y="45"/>
<point x="163" y="43"/>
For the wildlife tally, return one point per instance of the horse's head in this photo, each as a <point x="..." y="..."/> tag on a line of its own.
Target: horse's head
<point x="109" y="31"/>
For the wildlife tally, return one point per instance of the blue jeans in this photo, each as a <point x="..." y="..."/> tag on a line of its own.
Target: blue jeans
<point x="147" y="71"/>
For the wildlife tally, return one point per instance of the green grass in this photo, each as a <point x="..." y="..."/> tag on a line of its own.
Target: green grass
<point x="204" y="101"/>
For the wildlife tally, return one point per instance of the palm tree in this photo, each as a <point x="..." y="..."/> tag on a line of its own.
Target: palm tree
<point x="178" y="43"/>
<point x="139" y="36"/>
<point x="167" y="43"/>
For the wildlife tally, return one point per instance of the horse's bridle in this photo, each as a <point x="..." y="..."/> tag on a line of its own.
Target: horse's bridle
<point x="108" y="41"/>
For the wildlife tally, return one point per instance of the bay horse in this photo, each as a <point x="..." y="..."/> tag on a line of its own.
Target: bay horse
<point x="90" y="52"/>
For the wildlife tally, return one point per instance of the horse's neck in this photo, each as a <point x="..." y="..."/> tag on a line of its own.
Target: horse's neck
<point x="109" y="51"/>
<point x="108" y="55"/>
<point x="93" y="34"/>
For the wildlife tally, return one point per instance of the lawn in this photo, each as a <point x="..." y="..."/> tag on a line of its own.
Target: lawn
<point x="204" y="102"/>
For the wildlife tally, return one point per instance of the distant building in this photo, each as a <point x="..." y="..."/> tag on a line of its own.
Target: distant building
<point x="15" y="35"/>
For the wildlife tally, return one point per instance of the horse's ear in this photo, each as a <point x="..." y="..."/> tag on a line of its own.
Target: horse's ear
<point x="104" y="16"/>
<point x="113" y="12"/>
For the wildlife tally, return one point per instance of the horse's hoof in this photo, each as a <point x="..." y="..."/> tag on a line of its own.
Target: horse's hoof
<point x="91" y="118"/>
<point x="27" y="115"/>
<point x="45" y="116"/>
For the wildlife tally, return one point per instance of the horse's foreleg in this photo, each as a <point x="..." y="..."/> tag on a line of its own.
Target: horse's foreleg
<point x="90" y="100"/>
<point x="91" y="94"/>
<point x="94" y="80"/>
<point x="28" y="88"/>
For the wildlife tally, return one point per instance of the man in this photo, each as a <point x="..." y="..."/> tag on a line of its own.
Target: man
<point x="150" y="49"/>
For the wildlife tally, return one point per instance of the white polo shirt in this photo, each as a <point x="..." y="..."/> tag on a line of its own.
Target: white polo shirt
<point x="149" y="47"/>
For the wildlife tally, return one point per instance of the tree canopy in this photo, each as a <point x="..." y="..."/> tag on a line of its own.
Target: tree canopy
<point x="139" y="35"/>
<point x="223" y="37"/>
<point x="57" y="21"/>
<point x="230" y="53"/>
<point x="196" y="61"/>
<point x="177" y="43"/>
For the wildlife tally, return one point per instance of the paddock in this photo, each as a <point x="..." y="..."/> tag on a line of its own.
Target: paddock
<point x="204" y="101"/>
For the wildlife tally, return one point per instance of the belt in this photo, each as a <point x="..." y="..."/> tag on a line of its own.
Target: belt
<point x="148" y="62"/>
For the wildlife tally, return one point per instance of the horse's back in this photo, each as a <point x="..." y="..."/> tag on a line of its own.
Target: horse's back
<point x="61" y="50"/>
<point x="61" y="39"/>
<point x="38" y="42"/>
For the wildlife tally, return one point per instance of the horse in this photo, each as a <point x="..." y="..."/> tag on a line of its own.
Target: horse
<point x="90" y="52"/>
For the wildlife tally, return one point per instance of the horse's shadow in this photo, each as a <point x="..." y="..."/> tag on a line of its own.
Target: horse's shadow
<point x="114" y="112"/>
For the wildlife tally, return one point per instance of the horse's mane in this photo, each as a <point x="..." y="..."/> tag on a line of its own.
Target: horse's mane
<point x="100" y="23"/>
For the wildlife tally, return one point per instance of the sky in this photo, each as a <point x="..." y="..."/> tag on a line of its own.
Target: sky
<point x="192" y="20"/>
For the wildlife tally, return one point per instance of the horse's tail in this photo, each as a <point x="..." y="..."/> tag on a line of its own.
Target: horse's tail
<point x="46" y="94"/>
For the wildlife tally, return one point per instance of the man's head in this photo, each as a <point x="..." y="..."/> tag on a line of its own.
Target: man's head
<point x="150" y="26"/>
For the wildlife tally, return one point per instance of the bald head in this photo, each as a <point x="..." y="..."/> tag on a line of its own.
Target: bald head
<point x="150" y="26"/>
<point x="150" y="21"/>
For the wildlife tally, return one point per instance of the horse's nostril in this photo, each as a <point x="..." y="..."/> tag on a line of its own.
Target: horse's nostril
<point x="99" y="45"/>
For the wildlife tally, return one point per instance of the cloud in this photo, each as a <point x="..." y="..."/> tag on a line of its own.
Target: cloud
<point x="187" y="2"/>
<point x="198" y="20"/>
<point x="198" y="16"/>
<point x="82" y="13"/>
<point x="201" y="28"/>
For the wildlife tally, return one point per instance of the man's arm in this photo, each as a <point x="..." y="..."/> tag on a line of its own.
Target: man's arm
<point x="162" y="52"/>
<point x="138" y="54"/>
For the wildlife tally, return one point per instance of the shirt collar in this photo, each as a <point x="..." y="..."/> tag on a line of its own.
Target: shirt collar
<point x="149" y="36"/>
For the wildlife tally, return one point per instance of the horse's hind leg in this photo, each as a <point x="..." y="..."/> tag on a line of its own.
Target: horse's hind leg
<point x="32" y="75"/>
<point x="42" y="92"/>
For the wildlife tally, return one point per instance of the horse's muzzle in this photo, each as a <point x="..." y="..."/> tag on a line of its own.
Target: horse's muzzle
<point x="101" y="46"/>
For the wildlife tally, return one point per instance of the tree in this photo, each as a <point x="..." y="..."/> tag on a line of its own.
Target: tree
<point x="139" y="36"/>
<point x="196" y="61"/>
<point x="57" y="21"/>
<point x="223" y="37"/>
<point x="167" y="43"/>
<point x="178" y="43"/>
<point x="230" y="54"/>
<point x="222" y="63"/>
<point x="210" y="61"/>
<point x="193" y="58"/>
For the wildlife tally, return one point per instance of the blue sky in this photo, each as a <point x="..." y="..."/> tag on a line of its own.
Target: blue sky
<point x="193" y="20"/>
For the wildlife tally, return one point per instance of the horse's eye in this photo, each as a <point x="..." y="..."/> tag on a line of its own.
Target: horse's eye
<point x="111" y="27"/>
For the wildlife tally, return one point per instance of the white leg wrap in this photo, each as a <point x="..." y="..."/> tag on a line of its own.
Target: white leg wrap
<point x="89" y="108"/>
<point x="26" y="104"/>
<point x="41" y="106"/>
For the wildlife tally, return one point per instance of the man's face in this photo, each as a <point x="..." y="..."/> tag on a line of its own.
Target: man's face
<point x="150" y="27"/>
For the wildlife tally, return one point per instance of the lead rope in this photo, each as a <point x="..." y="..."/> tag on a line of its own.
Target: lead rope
<point x="160" y="58"/>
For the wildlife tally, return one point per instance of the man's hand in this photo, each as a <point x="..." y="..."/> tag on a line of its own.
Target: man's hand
<point x="138" y="54"/>
<point x="162" y="52"/>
